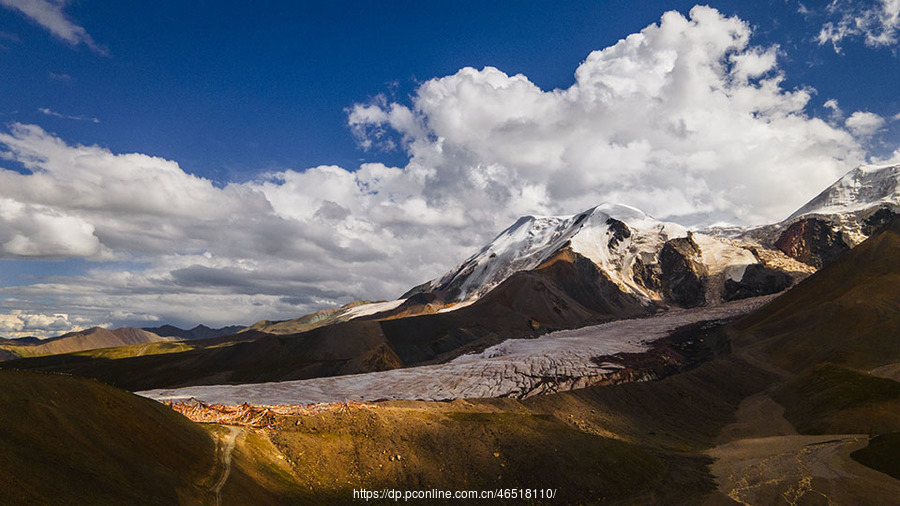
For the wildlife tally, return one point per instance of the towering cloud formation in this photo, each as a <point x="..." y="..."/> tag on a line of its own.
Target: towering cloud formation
<point x="686" y="119"/>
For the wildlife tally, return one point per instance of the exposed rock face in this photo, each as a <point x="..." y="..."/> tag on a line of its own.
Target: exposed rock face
<point x="619" y="232"/>
<point x="757" y="280"/>
<point x="812" y="241"/>
<point x="878" y="221"/>
<point x="682" y="272"/>
<point x="647" y="275"/>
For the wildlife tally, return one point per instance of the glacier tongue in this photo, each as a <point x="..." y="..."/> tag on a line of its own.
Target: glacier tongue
<point x="559" y="361"/>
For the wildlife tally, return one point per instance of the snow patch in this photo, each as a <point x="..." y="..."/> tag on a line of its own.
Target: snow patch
<point x="719" y="255"/>
<point x="372" y="308"/>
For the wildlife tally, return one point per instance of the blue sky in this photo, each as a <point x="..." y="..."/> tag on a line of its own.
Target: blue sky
<point x="228" y="89"/>
<point x="231" y="105"/>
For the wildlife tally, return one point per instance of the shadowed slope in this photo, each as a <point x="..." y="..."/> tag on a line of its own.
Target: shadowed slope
<point x="848" y="313"/>
<point x="69" y="440"/>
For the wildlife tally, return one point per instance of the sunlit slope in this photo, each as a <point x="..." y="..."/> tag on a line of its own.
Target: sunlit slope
<point x="90" y="339"/>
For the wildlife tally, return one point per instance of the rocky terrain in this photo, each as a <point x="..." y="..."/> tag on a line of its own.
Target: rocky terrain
<point x="856" y="206"/>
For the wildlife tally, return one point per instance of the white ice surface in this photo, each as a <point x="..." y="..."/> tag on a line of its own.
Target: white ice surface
<point x="372" y="308"/>
<point x="719" y="256"/>
<point x="512" y="368"/>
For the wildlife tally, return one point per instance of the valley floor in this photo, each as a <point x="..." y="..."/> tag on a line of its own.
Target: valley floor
<point x="762" y="460"/>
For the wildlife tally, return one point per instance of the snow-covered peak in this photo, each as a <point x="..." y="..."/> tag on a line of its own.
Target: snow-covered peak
<point x="522" y="246"/>
<point x="613" y="236"/>
<point x="860" y="189"/>
<point x="610" y="235"/>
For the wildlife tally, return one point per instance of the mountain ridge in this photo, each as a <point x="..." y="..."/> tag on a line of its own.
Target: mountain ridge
<point x="88" y="339"/>
<point x="199" y="332"/>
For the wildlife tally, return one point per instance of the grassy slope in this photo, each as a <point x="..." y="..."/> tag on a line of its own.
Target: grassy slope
<point x="634" y="443"/>
<point x="69" y="440"/>
<point x="829" y="399"/>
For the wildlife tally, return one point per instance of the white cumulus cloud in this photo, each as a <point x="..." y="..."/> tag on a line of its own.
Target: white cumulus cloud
<point x="864" y="124"/>
<point x="18" y="323"/>
<point x="686" y="120"/>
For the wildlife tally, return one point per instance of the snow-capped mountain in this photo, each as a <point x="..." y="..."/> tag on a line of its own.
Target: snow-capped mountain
<point x="658" y="262"/>
<point x="600" y="234"/>
<point x="861" y="189"/>
<point x="857" y="205"/>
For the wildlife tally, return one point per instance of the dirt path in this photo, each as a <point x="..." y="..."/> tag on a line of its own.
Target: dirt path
<point x="225" y="461"/>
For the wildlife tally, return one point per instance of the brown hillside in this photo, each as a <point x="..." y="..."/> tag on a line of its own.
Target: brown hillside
<point x="847" y="313"/>
<point x="89" y="339"/>
<point x="69" y="440"/>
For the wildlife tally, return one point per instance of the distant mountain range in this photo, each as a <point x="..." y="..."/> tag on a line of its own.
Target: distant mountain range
<point x="198" y="332"/>
<point x="98" y="338"/>
<point x="92" y="338"/>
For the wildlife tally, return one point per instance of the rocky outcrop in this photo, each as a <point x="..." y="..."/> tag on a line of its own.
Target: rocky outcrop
<point x="878" y="221"/>
<point x="618" y="230"/>
<point x="679" y="275"/>
<point x="757" y="280"/>
<point x="646" y="275"/>
<point x="682" y="272"/>
<point x="812" y="241"/>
